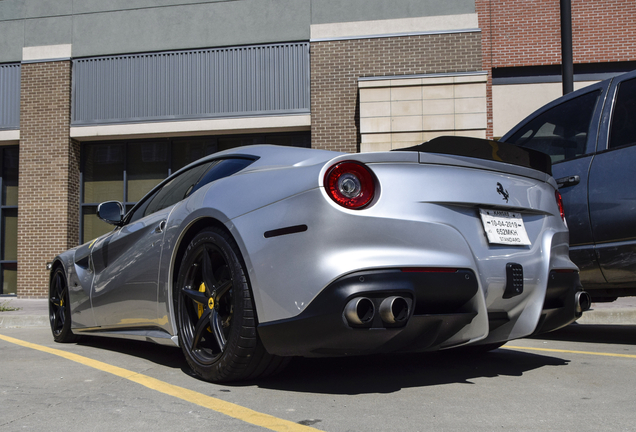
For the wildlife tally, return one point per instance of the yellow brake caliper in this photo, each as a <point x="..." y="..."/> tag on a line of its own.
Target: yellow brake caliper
<point x="200" y="307"/>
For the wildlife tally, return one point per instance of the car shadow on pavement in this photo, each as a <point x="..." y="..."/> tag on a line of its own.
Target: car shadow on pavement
<point x="167" y="356"/>
<point x="391" y="373"/>
<point x="387" y="373"/>
<point x="594" y="333"/>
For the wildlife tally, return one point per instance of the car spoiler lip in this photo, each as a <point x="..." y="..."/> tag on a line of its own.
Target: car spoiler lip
<point x="486" y="149"/>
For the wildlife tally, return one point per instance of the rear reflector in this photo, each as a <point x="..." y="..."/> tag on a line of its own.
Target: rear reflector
<point x="429" y="270"/>
<point x="559" y="200"/>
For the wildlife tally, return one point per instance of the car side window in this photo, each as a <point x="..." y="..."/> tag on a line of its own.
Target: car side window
<point x="623" y="129"/>
<point x="186" y="183"/>
<point x="176" y="189"/>
<point x="221" y="168"/>
<point x="562" y="131"/>
<point x="140" y="209"/>
<point x="169" y="193"/>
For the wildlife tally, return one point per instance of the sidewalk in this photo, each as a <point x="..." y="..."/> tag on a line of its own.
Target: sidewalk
<point x="30" y="313"/>
<point x="34" y="312"/>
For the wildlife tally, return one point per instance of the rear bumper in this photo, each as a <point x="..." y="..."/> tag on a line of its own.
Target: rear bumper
<point x="560" y="306"/>
<point x="439" y="307"/>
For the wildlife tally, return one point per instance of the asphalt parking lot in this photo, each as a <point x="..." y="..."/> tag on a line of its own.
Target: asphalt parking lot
<point x="581" y="378"/>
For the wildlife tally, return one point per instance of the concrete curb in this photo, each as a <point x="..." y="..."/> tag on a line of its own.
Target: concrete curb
<point x="609" y="316"/>
<point x="23" y="321"/>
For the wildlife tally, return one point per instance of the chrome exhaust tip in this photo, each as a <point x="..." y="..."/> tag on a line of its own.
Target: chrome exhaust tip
<point x="582" y="302"/>
<point x="394" y="310"/>
<point x="359" y="311"/>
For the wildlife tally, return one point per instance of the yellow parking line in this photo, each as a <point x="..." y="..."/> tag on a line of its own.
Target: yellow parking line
<point x="570" y="351"/>
<point x="233" y="410"/>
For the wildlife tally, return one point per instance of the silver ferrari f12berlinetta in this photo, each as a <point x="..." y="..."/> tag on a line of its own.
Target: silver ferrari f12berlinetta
<point x="253" y="255"/>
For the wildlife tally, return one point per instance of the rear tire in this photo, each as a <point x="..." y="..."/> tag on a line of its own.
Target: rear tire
<point x="216" y="318"/>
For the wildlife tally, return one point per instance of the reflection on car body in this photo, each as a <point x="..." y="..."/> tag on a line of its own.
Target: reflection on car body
<point x="253" y="255"/>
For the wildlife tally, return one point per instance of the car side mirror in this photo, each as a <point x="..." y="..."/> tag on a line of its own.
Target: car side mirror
<point x="111" y="212"/>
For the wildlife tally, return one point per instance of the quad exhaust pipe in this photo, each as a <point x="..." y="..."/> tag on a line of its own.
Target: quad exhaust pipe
<point x="394" y="310"/>
<point x="361" y="311"/>
<point x="582" y="302"/>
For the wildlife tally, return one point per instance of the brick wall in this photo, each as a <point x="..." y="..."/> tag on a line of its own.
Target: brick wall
<point x="337" y="65"/>
<point x="528" y="32"/>
<point x="48" y="195"/>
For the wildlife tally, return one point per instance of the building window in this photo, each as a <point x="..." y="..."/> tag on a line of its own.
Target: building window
<point x="9" y="220"/>
<point x="126" y="170"/>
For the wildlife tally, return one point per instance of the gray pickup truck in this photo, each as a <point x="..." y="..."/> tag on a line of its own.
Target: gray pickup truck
<point x="590" y="136"/>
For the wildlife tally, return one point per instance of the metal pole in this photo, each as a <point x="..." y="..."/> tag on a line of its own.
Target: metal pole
<point x="567" y="68"/>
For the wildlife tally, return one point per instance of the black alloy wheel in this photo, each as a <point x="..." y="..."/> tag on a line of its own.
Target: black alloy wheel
<point x="59" y="308"/>
<point x="207" y="301"/>
<point x="215" y="313"/>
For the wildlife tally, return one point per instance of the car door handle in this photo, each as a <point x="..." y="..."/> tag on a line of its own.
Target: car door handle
<point x="568" y="181"/>
<point x="160" y="227"/>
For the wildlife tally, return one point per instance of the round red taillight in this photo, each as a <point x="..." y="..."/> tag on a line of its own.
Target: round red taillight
<point x="559" y="201"/>
<point x="350" y="184"/>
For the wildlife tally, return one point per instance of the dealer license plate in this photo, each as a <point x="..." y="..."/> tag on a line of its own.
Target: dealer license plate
<point x="504" y="227"/>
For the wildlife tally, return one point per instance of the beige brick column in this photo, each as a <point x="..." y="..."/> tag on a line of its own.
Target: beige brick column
<point x="48" y="194"/>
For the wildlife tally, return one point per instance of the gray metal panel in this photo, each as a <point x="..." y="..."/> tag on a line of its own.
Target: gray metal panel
<point x="187" y="26"/>
<point x="336" y="11"/>
<point x="97" y="27"/>
<point x="96" y="6"/>
<point x="10" y="96"/>
<point x="55" y="30"/>
<point x="38" y="8"/>
<point x="11" y="40"/>
<point x="236" y="81"/>
<point x="11" y="10"/>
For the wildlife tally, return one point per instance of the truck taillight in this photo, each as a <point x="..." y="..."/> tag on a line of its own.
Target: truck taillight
<point x="559" y="201"/>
